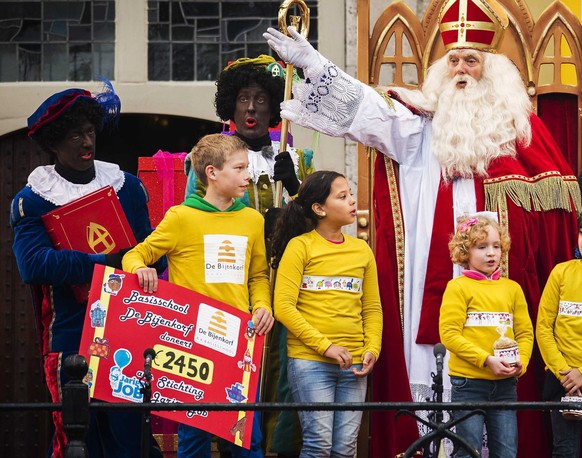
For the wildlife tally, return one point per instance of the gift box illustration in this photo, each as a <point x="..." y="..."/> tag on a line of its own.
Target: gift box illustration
<point x="99" y="347"/>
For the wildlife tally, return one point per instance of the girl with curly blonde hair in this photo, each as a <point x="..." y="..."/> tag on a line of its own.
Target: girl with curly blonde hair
<point x="471" y="231"/>
<point x="478" y="308"/>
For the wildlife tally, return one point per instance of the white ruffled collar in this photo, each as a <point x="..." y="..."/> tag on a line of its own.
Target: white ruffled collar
<point x="261" y="165"/>
<point x="48" y="184"/>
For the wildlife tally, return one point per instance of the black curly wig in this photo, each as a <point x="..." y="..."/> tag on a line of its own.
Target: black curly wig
<point x="231" y="81"/>
<point x="51" y="134"/>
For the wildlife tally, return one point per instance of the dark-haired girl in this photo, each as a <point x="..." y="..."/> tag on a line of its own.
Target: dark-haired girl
<point x="327" y="296"/>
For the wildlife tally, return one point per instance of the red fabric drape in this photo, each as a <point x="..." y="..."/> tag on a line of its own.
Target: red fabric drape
<point x="559" y="112"/>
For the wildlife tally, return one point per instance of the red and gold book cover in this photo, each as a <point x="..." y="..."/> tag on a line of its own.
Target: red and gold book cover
<point x="206" y="351"/>
<point x="94" y="223"/>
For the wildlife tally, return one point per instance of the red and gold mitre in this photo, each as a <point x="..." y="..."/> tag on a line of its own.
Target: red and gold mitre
<point x="475" y="24"/>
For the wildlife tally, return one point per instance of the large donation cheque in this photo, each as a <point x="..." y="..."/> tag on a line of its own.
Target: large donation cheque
<point x="205" y="351"/>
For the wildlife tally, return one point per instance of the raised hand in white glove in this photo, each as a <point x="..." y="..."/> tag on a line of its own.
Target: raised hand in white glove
<point x="294" y="50"/>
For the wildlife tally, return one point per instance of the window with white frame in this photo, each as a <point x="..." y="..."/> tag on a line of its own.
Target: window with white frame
<point x="188" y="40"/>
<point x="48" y="40"/>
<point x="191" y="40"/>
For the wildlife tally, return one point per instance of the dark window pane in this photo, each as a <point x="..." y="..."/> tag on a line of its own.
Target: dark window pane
<point x="99" y="12"/>
<point x="86" y="16"/>
<point x="153" y="12"/>
<point x="104" y="31"/>
<point x="200" y="9"/>
<point x="182" y="33"/>
<point x="55" y="31"/>
<point x="9" y="29"/>
<point x="177" y="14"/>
<point x="104" y="60"/>
<point x="159" y="62"/>
<point x="111" y="11"/>
<point x="182" y="62"/>
<point x="164" y="11"/>
<point x="245" y="30"/>
<point x="29" y="31"/>
<point x="63" y="10"/>
<point x="208" y="28"/>
<point x="207" y="65"/>
<point x="55" y="66"/>
<point x="159" y="11"/>
<point x="257" y="9"/>
<point x="80" y="33"/>
<point x="24" y="10"/>
<point x="233" y="51"/>
<point x="29" y="63"/>
<point x="258" y="49"/>
<point x="8" y="67"/>
<point x="158" y="32"/>
<point x="80" y="62"/>
<point x="313" y="36"/>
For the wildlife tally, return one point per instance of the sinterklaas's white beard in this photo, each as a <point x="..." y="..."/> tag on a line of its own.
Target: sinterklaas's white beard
<point x="467" y="133"/>
<point x="474" y="125"/>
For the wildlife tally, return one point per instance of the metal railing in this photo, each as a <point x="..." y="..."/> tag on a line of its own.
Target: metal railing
<point x="75" y="407"/>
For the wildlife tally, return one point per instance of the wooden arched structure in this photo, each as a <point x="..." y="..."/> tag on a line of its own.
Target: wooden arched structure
<point x="399" y="48"/>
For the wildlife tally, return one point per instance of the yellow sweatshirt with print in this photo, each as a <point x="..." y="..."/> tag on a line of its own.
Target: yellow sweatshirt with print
<point x="559" y="322"/>
<point x="327" y="293"/>
<point x="220" y="254"/>
<point x="470" y="312"/>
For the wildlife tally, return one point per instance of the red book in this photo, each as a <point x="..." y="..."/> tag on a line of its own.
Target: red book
<point x="94" y="223"/>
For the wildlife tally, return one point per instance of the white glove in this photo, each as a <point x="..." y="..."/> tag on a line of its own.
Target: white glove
<point x="294" y="50"/>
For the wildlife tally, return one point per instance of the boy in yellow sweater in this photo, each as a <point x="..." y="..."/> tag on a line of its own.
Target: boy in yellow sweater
<point x="192" y="236"/>
<point x="478" y="308"/>
<point x="559" y="336"/>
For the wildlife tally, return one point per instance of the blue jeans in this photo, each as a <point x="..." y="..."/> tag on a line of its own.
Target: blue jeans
<point x="566" y="442"/>
<point x="501" y="424"/>
<point x="327" y="433"/>
<point x="195" y="443"/>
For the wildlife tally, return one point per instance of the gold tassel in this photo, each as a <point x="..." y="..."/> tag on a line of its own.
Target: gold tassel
<point x="547" y="193"/>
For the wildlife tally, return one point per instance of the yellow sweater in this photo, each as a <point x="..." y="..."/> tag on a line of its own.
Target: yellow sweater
<point x="218" y="254"/>
<point x="470" y="312"/>
<point x="559" y="322"/>
<point x="326" y="294"/>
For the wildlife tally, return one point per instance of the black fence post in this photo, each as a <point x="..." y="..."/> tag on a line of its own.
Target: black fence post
<point x="76" y="407"/>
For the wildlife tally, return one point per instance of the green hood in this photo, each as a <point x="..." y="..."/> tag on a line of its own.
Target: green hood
<point x="195" y="201"/>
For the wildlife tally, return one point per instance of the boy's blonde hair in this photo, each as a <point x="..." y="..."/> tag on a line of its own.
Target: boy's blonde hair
<point x="470" y="231"/>
<point x="214" y="149"/>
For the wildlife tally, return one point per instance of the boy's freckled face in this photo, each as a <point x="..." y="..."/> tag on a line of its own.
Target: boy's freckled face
<point x="233" y="178"/>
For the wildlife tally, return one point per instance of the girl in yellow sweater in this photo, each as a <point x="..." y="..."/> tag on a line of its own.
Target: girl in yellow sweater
<point x="326" y="295"/>
<point x="559" y="336"/>
<point x="476" y="307"/>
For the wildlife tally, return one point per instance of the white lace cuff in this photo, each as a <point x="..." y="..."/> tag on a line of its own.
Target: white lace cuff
<point x="327" y="101"/>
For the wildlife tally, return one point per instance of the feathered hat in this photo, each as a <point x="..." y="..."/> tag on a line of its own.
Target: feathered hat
<point x="58" y="104"/>
<point x="475" y="24"/>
